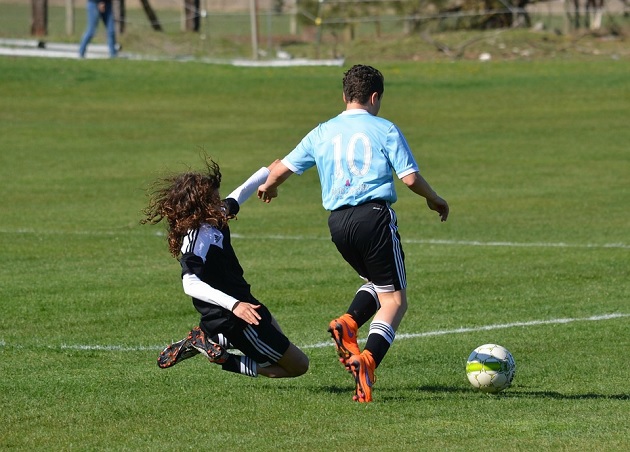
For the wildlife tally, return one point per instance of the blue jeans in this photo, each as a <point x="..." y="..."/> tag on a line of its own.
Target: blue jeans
<point x="93" y="16"/>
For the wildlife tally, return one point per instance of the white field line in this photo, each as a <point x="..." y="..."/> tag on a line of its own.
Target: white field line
<point x="322" y="238"/>
<point x="520" y="244"/>
<point x="454" y="242"/>
<point x="120" y="348"/>
<point x="499" y="326"/>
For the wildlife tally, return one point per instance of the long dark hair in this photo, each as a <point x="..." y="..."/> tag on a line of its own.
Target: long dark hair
<point x="187" y="201"/>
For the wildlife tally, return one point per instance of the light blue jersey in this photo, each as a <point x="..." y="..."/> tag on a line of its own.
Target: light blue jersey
<point x="355" y="154"/>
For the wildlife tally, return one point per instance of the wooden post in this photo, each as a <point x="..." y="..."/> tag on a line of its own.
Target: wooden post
<point x="293" y="28"/>
<point x="69" y="17"/>
<point x="121" y="16"/>
<point x="39" y="24"/>
<point x="253" y="18"/>
<point x="190" y="17"/>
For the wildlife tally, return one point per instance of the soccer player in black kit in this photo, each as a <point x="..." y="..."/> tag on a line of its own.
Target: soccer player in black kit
<point x="231" y="317"/>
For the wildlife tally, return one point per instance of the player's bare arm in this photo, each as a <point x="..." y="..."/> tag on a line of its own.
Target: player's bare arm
<point x="269" y="190"/>
<point x="416" y="183"/>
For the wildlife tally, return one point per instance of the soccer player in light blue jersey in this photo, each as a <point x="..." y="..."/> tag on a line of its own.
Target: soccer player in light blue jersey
<point x="356" y="154"/>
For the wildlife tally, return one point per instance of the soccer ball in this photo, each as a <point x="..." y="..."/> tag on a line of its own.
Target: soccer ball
<point x="490" y="368"/>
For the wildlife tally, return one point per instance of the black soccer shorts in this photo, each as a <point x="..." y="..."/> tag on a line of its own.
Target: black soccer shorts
<point x="263" y="343"/>
<point x="367" y="238"/>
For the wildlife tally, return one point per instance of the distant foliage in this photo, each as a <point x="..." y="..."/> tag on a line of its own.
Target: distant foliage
<point x="449" y="14"/>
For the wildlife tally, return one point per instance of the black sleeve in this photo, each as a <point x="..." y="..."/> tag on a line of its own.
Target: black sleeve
<point x="231" y="207"/>
<point x="191" y="263"/>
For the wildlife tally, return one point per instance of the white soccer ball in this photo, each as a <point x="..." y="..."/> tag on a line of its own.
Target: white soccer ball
<point x="490" y="368"/>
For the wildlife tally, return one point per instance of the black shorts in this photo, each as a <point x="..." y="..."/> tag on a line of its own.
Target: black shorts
<point x="263" y="343"/>
<point x="367" y="238"/>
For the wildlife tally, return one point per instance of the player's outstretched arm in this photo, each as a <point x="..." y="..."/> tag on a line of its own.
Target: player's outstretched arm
<point x="269" y="190"/>
<point x="416" y="183"/>
<point x="249" y="187"/>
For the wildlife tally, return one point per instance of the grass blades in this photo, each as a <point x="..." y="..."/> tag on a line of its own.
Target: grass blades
<point x="532" y="157"/>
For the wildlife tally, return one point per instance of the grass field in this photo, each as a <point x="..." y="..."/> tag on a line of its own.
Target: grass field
<point x="533" y="158"/>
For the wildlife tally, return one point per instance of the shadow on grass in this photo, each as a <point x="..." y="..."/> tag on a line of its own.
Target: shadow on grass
<point x="411" y="392"/>
<point x="516" y="393"/>
<point x="335" y="389"/>
<point x="559" y="396"/>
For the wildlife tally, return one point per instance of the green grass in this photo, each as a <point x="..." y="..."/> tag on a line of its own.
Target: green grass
<point x="533" y="158"/>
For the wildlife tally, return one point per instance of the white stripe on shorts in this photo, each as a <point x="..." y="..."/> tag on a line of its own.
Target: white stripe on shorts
<point x="252" y="336"/>
<point x="400" y="263"/>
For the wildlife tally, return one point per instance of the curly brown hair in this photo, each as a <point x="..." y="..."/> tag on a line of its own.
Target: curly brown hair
<point x="187" y="201"/>
<point x="360" y="81"/>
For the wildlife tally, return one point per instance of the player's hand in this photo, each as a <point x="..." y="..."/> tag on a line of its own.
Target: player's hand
<point x="266" y="194"/>
<point x="440" y="206"/>
<point x="247" y="312"/>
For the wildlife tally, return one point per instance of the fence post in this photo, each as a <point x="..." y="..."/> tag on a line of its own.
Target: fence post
<point x="39" y="24"/>
<point x="69" y="17"/>
<point x="253" y="18"/>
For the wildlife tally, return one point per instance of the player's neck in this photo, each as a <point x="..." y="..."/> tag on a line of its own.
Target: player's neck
<point x="357" y="106"/>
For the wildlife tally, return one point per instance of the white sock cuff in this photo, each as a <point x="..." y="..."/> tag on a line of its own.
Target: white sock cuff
<point x="369" y="288"/>
<point x="384" y="329"/>
<point x="248" y="367"/>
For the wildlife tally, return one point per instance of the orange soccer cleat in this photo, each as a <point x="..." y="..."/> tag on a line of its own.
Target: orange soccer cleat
<point x="344" y="332"/>
<point x="362" y="369"/>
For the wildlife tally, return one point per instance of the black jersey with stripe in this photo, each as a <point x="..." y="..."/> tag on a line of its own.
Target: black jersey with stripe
<point x="207" y="253"/>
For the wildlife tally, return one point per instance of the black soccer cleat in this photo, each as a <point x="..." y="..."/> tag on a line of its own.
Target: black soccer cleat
<point x="211" y="350"/>
<point x="176" y="353"/>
